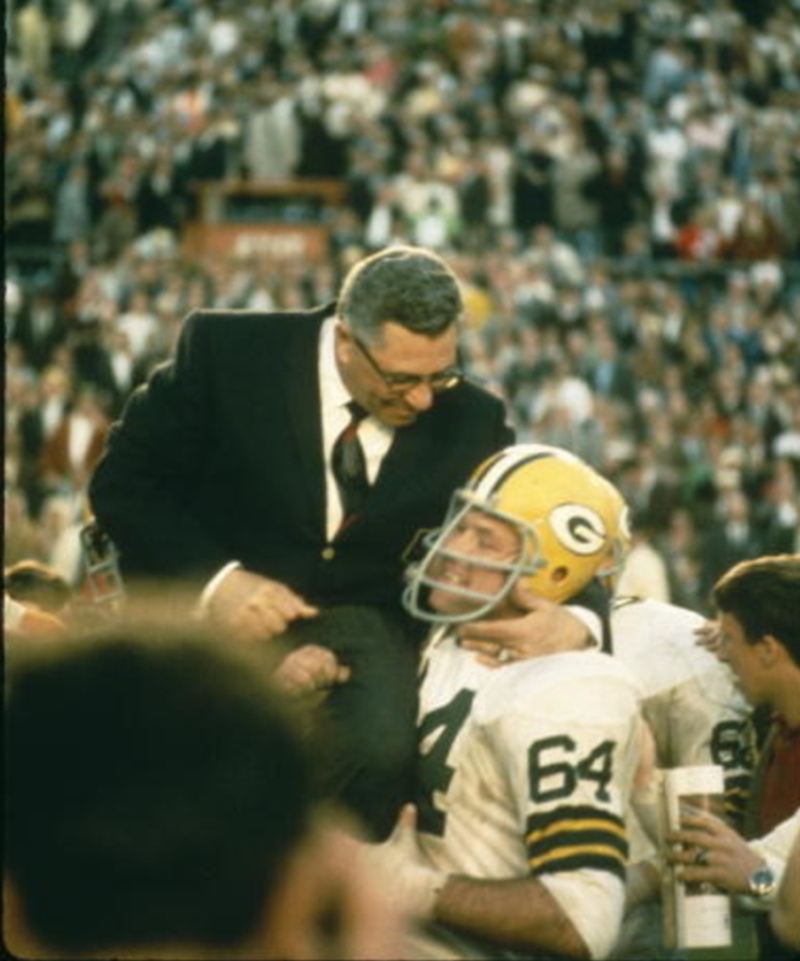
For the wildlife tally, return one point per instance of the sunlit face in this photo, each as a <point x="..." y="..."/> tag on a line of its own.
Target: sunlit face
<point x="486" y="539"/>
<point x="399" y="352"/>
<point x="742" y="658"/>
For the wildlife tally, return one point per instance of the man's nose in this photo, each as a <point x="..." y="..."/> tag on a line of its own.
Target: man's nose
<point x="420" y="397"/>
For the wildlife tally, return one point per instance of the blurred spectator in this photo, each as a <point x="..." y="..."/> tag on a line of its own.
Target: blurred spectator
<point x="40" y="327"/>
<point x="72" y="219"/>
<point x="34" y="37"/>
<point x="731" y="537"/>
<point x="272" y="130"/>
<point x="532" y="186"/>
<point x="72" y="451"/>
<point x="756" y="238"/>
<point x="139" y="324"/>
<point x="576" y="183"/>
<point x="185" y="823"/>
<point x="30" y="212"/>
<point x="62" y="517"/>
<point x="644" y="573"/>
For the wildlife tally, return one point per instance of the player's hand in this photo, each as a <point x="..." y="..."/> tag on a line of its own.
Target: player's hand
<point x="543" y="627"/>
<point x="709" y="850"/>
<point x="255" y="608"/>
<point x="412" y="883"/>
<point x="310" y="668"/>
<point x="709" y="636"/>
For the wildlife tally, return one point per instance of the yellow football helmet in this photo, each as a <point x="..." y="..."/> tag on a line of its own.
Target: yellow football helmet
<point x="572" y="525"/>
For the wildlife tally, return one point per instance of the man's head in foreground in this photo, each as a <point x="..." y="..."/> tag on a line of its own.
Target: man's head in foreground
<point x="156" y="800"/>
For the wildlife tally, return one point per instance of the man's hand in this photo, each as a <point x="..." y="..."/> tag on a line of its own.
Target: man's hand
<point x="709" y="636"/>
<point x="310" y="668"/>
<point x="255" y="608"/>
<point x="412" y="884"/>
<point x="543" y="628"/>
<point x="712" y="852"/>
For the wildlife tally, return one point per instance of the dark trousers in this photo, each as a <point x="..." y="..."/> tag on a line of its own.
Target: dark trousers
<point x="364" y="734"/>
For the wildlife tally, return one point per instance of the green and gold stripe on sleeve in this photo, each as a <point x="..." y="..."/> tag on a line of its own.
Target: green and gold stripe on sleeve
<point x="576" y="836"/>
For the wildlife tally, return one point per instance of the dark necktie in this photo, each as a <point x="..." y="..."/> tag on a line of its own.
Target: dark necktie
<point x="349" y="466"/>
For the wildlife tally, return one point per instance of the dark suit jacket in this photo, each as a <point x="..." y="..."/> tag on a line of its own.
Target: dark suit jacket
<point x="219" y="457"/>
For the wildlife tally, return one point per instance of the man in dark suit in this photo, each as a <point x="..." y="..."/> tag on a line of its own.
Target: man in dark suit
<point x="221" y="473"/>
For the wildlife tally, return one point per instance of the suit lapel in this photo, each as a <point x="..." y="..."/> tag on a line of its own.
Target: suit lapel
<point x="301" y="386"/>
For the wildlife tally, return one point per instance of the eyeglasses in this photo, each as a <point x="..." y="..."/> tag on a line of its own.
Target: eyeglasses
<point x="403" y="383"/>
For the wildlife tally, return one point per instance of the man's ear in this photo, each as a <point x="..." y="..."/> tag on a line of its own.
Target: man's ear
<point x="343" y="346"/>
<point x="770" y="651"/>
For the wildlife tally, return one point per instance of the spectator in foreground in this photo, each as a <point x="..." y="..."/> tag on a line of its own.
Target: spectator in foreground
<point x="158" y="805"/>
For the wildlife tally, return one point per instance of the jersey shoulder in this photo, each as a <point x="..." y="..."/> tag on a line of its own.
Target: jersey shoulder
<point x="568" y="685"/>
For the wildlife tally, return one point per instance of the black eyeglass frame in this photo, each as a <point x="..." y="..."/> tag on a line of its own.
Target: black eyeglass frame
<point x="403" y="383"/>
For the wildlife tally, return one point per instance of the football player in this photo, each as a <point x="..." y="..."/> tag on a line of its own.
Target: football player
<point x="697" y="716"/>
<point x="519" y="844"/>
<point x="694" y="708"/>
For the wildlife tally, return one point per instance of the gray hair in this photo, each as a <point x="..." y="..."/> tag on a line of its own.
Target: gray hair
<point x="406" y="285"/>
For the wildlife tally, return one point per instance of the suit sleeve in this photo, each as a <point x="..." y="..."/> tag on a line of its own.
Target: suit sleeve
<point x="142" y="487"/>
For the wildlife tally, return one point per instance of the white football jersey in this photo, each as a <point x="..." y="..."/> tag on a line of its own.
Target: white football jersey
<point x="691" y="701"/>
<point x="697" y="715"/>
<point x="526" y="770"/>
<point x="694" y="708"/>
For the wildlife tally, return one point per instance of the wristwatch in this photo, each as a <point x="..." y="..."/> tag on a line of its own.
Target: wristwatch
<point x="761" y="884"/>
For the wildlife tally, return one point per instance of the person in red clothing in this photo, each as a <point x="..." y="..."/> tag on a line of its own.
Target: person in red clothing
<point x="759" y="612"/>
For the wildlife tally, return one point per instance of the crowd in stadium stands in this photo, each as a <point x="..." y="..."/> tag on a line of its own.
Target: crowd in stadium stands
<point x="618" y="185"/>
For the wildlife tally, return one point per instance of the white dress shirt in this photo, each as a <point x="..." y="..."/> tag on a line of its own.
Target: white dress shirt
<point x="376" y="439"/>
